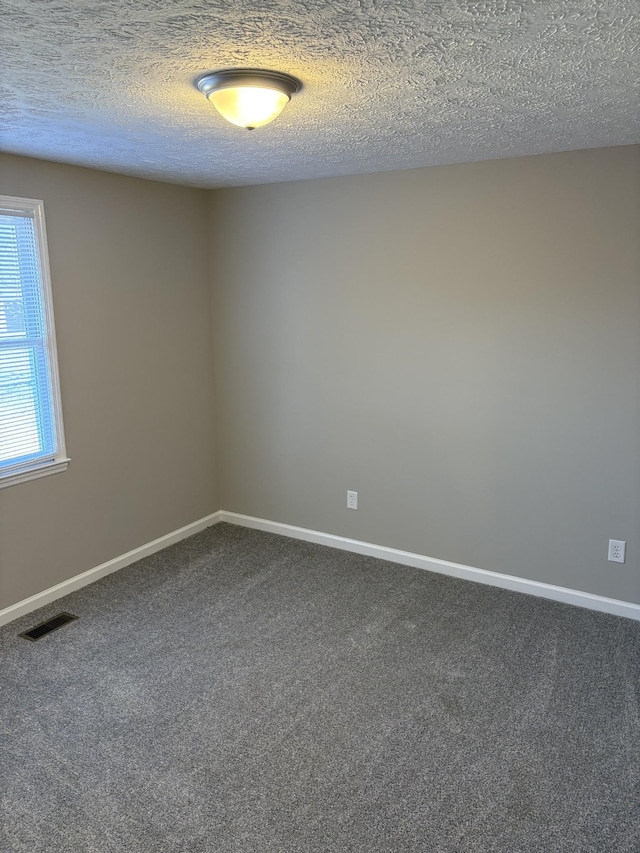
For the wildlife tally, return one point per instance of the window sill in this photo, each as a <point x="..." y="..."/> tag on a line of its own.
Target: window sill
<point x="34" y="473"/>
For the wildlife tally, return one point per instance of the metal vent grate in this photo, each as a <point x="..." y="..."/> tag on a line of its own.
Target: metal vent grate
<point x="48" y="626"/>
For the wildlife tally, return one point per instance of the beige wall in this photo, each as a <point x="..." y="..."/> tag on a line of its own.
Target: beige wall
<point x="459" y="344"/>
<point x="129" y="267"/>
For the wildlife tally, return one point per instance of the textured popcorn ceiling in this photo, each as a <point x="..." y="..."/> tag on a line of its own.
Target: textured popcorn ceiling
<point x="388" y="83"/>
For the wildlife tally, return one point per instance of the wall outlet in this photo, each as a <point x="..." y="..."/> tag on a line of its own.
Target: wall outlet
<point x="352" y="500"/>
<point x="617" y="551"/>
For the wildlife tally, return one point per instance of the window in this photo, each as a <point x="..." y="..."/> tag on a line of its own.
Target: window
<point x="31" y="434"/>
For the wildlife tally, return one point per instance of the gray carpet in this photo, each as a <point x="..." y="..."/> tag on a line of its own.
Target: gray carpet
<point x="246" y="692"/>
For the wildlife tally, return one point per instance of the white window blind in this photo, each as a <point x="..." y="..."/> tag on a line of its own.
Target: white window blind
<point x="31" y="436"/>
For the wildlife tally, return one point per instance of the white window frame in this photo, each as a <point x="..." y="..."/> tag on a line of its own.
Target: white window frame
<point x="34" y="208"/>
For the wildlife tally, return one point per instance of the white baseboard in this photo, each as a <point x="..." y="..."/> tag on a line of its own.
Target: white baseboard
<point x="393" y="555"/>
<point x="59" y="590"/>
<point x="443" y="567"/>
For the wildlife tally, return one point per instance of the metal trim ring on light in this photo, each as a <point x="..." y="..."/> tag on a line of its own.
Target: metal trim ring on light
<point x="229" y="77"/>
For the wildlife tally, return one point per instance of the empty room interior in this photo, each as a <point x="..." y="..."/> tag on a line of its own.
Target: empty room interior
<point x="320" y="426"/>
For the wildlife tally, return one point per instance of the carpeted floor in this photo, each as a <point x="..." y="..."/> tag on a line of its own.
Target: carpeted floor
<point x="246" y="692"/>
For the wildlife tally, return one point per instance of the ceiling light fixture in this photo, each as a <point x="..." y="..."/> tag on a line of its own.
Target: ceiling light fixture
<point x="248" y="97"/>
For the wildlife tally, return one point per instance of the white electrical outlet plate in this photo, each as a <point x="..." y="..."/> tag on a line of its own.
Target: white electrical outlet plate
<point x="352" y="500"/>
<point x="617" y="551"/>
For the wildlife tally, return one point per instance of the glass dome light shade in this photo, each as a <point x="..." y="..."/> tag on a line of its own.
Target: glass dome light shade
<point x="249" y="106"/>
<point x="248" y="97"/>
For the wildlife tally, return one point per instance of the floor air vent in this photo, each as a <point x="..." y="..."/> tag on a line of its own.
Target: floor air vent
<point x="48" y="626"/>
